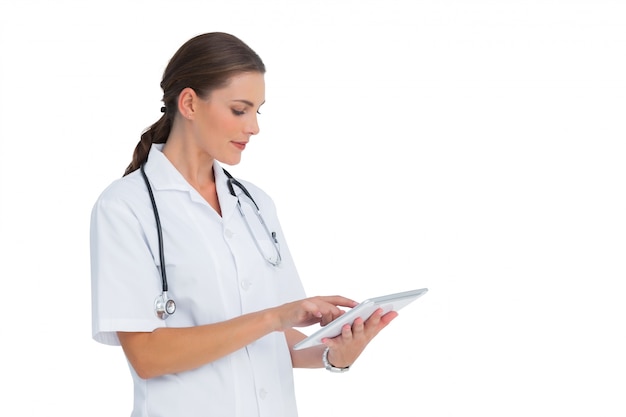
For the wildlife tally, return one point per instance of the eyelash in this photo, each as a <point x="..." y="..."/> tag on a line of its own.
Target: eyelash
<point x="241" y="113"/>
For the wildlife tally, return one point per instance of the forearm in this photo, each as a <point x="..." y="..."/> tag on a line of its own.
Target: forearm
<point x="171" y="350"/>
<point x="304" y="358"/>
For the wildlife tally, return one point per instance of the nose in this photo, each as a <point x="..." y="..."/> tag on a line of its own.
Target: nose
<point x="252" y="127"/>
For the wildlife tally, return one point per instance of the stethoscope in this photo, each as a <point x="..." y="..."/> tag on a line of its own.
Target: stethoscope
<point x="163" y="305"/>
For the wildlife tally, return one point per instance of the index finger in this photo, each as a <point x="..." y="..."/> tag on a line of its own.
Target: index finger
<point x="339" y="300"/>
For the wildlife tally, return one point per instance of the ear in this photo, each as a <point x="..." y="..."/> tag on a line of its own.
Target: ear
<point x="186" y="103"/>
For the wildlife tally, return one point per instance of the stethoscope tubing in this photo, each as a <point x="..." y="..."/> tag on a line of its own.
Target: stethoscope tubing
<point x="159" y="230"/>
<point x="164" y="307"/>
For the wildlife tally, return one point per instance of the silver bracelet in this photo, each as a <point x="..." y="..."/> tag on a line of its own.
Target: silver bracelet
<point x="329" y="366"/>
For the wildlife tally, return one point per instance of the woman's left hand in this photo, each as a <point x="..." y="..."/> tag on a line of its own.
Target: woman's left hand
<point x="348" y="346"/>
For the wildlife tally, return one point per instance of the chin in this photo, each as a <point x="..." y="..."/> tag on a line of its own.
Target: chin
<point x="233" y="160"/>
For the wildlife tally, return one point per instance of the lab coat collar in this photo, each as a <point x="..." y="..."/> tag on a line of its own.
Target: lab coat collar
<point x="164" y="176"/>
<point x="228" y="202"/>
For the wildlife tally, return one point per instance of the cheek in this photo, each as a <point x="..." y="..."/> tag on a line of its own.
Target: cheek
<point x="225" y="122"/>
<point x="232" y="123"/>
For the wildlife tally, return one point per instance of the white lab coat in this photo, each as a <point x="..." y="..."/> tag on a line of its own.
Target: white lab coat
<point x="214" y="271"/>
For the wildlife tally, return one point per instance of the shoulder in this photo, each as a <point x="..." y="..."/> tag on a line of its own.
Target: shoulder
<point x="259" y="195"/>
<point x="128" y="190"/>
<point x="255" y="190"/>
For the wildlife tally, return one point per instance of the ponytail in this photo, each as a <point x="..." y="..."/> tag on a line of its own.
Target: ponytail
<point x="157" y="133"/>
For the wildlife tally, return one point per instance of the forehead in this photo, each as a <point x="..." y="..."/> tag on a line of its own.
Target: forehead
<point x="248" y="86"/>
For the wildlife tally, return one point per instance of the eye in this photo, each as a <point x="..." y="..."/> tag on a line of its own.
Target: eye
<point x="238" y="112"/>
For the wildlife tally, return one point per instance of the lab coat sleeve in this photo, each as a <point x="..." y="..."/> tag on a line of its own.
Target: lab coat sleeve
<point x="124" y="275"/>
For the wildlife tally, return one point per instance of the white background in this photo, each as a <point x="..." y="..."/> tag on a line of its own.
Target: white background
<point x="472" y="147"/>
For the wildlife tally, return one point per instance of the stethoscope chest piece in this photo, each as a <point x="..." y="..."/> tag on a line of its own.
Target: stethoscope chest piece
<point x="163" y="306"/>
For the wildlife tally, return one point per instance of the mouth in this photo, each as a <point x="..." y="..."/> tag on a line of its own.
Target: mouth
<point x="240" y="145"/>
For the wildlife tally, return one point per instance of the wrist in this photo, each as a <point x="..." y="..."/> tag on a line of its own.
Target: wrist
<point x="329" y="366"/>
<point x="273" y="319"/>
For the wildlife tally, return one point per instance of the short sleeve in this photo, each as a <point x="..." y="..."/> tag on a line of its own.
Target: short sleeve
<point x="125" y="279"/>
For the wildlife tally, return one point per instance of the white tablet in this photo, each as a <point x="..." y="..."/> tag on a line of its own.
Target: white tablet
<point x="391" y="302"/>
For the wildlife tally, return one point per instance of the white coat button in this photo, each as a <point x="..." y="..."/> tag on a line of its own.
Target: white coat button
<point x="262" y="393"/>
<point x="246" y="285"/>
<point x="228" y="233"/>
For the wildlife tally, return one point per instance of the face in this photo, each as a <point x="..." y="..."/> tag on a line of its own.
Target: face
<point x="224" y="122"/>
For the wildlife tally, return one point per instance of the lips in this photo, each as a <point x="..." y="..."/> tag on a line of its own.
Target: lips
<point x="240" y="145"/>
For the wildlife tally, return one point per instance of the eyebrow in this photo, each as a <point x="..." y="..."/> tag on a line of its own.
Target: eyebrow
<point x="249" y="103"/>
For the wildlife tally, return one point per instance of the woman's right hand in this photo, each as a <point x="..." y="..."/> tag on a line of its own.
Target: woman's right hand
<point x="302" y="313"/>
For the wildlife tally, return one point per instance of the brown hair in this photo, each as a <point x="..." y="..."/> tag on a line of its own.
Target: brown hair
<point x="203" y="63"/>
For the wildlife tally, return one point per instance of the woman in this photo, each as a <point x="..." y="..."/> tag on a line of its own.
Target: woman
<point x="218" y="338"/>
